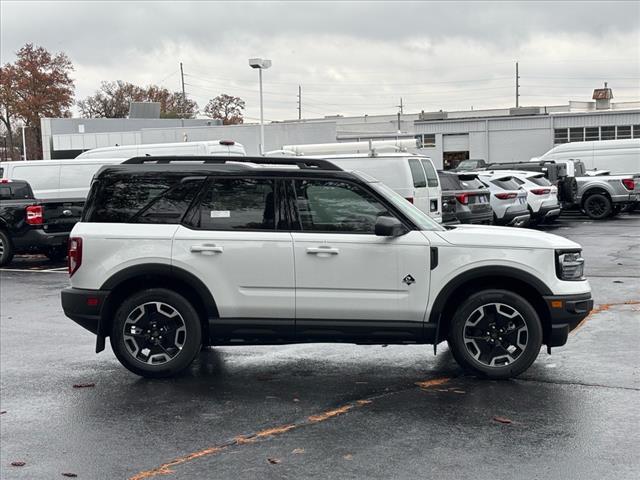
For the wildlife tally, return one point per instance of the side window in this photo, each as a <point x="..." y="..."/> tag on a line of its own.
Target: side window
<point x="121" y="197"/>
<point x="419" y="180"/>
<point x="336" y="206"/>
<point x="238" y="204"/>
<point x="171" y="205"/>
<point x="432" y="176"/>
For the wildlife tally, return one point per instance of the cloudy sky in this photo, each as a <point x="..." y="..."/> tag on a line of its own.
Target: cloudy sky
<point x="350" y="58"/>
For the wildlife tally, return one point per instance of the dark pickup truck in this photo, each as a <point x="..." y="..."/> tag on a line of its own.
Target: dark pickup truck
<point x="28" y="225"/>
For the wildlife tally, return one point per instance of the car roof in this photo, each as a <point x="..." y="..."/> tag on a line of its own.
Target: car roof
<point x="230" y="165"/>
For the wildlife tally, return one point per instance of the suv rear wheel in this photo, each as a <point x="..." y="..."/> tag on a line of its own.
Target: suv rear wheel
<point x="156" y="333"/>
<point x="495" y="333"/>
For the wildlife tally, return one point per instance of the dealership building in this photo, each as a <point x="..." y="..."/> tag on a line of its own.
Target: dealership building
<point x="495" y="135"/>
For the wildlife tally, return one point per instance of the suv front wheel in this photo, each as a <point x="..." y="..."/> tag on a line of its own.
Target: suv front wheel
<point x="156" y="333"/>
<point x="495" y="333"/>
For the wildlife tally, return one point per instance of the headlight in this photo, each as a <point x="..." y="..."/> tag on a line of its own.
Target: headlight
<point x="569" y="265"/>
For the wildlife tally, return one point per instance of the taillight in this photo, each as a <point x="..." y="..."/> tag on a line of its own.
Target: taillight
<point x="506" y="196"/>
<point x="74" y="254"/>
<point x="35" y="215"/>
<point x="629" y="183"/>
<point x="409" y="199"/>
<point x="463" y="198"/>
<point x="540" y="191"/>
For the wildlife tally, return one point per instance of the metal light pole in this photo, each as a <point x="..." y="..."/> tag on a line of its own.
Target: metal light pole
<point x="24" y="145"/>
<point x="260" y="64"/>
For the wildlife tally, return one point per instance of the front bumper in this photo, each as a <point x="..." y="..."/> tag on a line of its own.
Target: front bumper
<point x="84" y="307"/>
<point x="565" y="313"/>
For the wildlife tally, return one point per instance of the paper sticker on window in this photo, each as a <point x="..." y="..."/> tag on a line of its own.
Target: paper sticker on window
<point x="220" y="213"/>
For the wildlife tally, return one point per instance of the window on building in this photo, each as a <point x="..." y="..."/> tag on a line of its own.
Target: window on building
<point x="636" y="131"/>
<point x="576" y="134"/>
<point x="561" y="135"/>
<point x="624" y="131"/>
<point x="607" y="133"/>
<point x="592" y="133"/>
<point x="427" y="139"/>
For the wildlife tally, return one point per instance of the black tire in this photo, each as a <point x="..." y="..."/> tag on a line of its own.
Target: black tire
<point x="56" y="254"/>
<point x="6" y="249"/>
<point x="597" y="206"/>
<point x="494" y="355"/>
<point x="183" y="335"/>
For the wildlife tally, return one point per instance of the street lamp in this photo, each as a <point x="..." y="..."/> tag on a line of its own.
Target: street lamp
<point x="260" y="64"/>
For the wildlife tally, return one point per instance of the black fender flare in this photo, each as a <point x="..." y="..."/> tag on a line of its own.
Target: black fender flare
<point x="440" y="303"/>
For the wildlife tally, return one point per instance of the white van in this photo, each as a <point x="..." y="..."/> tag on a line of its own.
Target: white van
<point x="412" y="176"/>
<point x="213" y="147"/>
<point x="616" y="156"/>
<point x="51" y="179"/>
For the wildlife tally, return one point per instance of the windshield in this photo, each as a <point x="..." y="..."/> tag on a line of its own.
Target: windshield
<point x="421" y="219"/>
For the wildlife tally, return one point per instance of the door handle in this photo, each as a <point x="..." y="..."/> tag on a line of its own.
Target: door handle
<point x="206" y="249"/>
<point x="317" y="250"/>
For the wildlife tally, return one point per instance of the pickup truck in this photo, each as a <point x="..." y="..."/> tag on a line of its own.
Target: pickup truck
<point x="28" y="225"/>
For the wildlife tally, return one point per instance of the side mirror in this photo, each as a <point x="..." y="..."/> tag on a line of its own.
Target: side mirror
<point x="389" y="227"/>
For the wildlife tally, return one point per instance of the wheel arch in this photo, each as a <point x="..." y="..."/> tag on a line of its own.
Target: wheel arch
<point x="490" y="277"/>
<point x="139" y="277"/>
<point x="593" y="191"/>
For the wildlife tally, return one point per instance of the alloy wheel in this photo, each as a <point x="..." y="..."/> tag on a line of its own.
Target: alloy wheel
<point x="495" y="334"/>
<point x="154" y="333"/>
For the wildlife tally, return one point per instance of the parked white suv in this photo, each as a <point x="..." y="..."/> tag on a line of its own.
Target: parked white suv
<point x="173" y="255"/>
<point x="508" y="200"/>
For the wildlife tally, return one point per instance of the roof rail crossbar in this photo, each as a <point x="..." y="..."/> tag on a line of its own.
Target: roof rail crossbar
<point x="301" y="163"/>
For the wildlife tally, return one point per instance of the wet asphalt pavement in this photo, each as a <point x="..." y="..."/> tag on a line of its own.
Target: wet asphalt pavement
<point x="325" y="411"/>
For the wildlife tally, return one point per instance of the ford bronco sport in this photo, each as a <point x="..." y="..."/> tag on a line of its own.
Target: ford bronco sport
<point x="172" y="254"/>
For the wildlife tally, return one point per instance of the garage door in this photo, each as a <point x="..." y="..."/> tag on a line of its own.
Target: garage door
<point x="456" y="143"/>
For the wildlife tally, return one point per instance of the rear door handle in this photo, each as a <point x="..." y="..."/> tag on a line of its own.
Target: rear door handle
<point x="317" y="250"/>
<point x="206" y="249"/>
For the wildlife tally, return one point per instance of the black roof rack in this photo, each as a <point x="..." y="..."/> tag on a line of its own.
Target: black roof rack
<point x="301" y="163"/>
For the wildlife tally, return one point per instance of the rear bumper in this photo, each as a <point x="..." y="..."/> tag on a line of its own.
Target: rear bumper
<point x="547" y="212"/>
<point x="475" y="218"/>
<point x="84" y="306"/>
<point x="566" y="312"/>
<point x="38" y="239"/>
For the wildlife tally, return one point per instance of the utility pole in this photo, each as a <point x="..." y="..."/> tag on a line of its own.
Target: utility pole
<point x="517" y="87"/>
<point x="299" y="102"/>
<point x="401" y="107"/>
<point x="184" y="96"/>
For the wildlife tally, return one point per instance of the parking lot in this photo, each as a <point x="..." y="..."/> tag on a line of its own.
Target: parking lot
<point x="325" y="410"/>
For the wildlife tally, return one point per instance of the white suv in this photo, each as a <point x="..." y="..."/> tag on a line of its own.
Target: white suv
<point x="171" y="255"/>
<point x="508" y="200"/>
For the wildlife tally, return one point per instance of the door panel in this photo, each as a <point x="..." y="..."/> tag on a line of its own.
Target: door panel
<point x="363" y="279"/>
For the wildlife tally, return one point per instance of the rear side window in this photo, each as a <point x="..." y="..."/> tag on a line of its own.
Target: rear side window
<point x="127" y="198"/>
<point x="432" y="176"/>
<point x="507" y="183"/>
<point x="171" y="206"/>
<point x="417" y="173"/>
<point x="238" y="204"/>
<point x="543" y="182"/>
<point x="15" y="191"/>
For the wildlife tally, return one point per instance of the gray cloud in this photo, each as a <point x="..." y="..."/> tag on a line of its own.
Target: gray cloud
<point x="350" y="57"/>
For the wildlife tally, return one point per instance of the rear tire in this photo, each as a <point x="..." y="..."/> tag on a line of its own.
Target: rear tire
<point x="495" y="333"/>
<point x="6" y="249"/>
<point x="597" y="206"/>
<point x="156" y="333"/>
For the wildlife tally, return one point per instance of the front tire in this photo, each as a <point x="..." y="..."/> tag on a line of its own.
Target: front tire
<point x="6" y="249"/>
<point x="495" y="333"/>
<point x="156" y="333"/>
